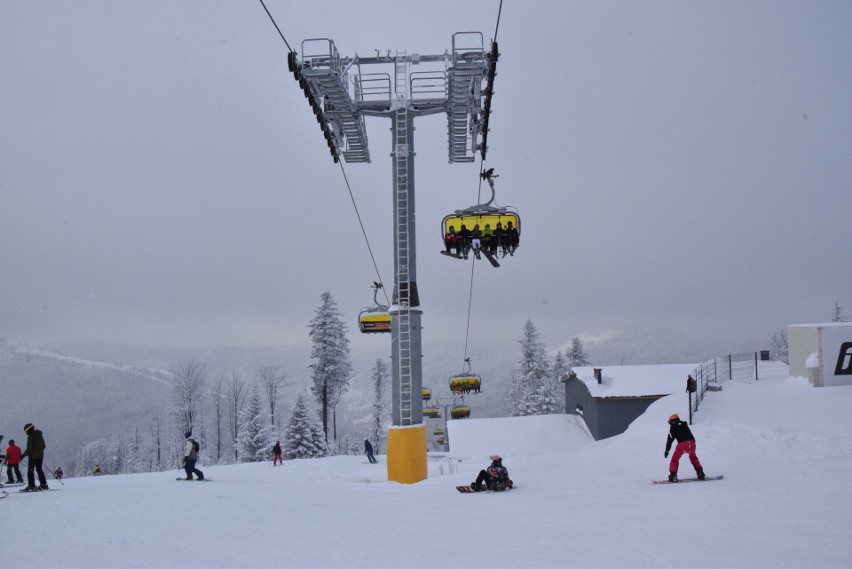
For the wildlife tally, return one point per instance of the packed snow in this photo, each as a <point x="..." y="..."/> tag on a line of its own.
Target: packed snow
<point x="784" y="447"/>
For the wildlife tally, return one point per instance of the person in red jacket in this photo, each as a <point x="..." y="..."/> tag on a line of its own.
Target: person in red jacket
<point x="12" y="462"/>
<point x="679" y="431"/>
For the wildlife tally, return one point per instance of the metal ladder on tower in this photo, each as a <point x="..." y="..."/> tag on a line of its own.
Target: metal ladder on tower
<point x="403" y="258"/>
<point x="401" y="74"/>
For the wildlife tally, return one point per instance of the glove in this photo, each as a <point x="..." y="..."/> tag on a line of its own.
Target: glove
<point x="666" y="454"/>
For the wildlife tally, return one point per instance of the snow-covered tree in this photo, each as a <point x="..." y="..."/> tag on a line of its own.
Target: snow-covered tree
<point x="779" y="350"/>
<point x="331" y="366"/>
<point x="255" y="438"/>
<point x="576" y="355"/>
<point x="303" y="436"/>
<point x="837" y="315"/>
<point x="536" y="389"/>
<point x="558" y="370"/>
<point x="379" y="377"/>
<point x="513" y="397"/>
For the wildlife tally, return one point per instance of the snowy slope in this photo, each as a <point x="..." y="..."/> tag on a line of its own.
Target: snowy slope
<point x="785" y="449"/>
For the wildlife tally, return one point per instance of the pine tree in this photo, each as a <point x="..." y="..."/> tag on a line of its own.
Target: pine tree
<point x="379" y="376"/>
<point x="331" y="367"/>
<point x="255" y="439"/>
<point x="535" y="388"/>
<point x="837" y="315"/>
<point x="577" y="356"/>
<point x="303" y="437"/>
<point x="558" y="370"/>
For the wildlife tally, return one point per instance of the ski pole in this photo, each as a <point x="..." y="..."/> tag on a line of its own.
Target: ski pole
<point x="53" y="473"/>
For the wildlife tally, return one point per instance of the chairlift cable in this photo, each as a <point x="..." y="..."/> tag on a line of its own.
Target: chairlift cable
<point x="342" y="170"/>
<point x="497" y="27"/>
<point x="282" y="35"/>
<point x="363" y="230"/>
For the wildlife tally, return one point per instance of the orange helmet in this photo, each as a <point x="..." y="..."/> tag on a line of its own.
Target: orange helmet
<point x="674" y="418"/>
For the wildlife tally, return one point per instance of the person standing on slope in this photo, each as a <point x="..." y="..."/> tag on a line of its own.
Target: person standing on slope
<point x="276" y="454"/>
<point x="368" y="448"/>
<point x="190" y="456"/>
<point x="35" y="456"/>
<point x="679" y="431"/>
<point x="13" y="460"/>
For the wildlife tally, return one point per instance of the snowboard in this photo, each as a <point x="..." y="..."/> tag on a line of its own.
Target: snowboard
<point x="183" y="479"/>
<point x="470" y="490"/>
<point x="688" y="480"/>
<point x="490" y="258"/>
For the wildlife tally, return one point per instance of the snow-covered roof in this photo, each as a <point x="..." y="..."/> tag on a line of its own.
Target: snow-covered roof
<point x="636" y="380"/>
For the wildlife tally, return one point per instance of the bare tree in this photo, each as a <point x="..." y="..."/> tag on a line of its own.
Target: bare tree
<point x="271" y="379"/>
<point x="236" y="398"/>
<point x="218" y="413"/>
<point x="779" y="348"/>
<point x="189" y="387"/>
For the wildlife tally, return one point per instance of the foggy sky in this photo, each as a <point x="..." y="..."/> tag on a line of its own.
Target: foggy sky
<point x="675" y="164"/>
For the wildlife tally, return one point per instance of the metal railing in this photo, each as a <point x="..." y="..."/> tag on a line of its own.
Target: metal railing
<point x="710" y="374"/>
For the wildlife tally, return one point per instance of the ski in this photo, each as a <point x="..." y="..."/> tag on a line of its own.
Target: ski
<point x="13" y="484"/>
<point x="181" y="479"/>
<point x="720" y="477"/>
<point x="27" y="491"/>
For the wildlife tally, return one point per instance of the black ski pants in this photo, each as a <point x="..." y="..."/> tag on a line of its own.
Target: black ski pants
<point x="33" y="467"/>
<point x="189" y="468"/>
<point x="17" y="478"/>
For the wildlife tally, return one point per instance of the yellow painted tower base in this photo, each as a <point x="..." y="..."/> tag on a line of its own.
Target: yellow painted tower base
<point x="407" y="454"/>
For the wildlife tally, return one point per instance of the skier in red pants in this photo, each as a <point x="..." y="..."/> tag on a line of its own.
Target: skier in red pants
<point x="679" y="431"/>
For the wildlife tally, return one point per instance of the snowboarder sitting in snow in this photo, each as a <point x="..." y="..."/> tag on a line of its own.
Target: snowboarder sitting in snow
<point x="494" y="478"/>
<point x="190" y="457"/>
<point x="96" y="470"/>
<point x="680" y="431"/>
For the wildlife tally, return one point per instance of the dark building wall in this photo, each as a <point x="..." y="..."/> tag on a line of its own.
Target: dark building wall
<point x="578" y="401"/>
<point x="615" y="415"/>
<point x="605" y="417"/>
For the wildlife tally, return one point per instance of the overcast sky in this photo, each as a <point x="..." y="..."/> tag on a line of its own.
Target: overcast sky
<point x="676" y="164"/>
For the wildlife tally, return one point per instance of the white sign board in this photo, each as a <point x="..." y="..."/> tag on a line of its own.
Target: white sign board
<point x="837" y="356"/>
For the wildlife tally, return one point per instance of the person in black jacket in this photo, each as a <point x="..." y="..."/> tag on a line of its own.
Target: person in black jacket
<point x="35" y="454"/>
<point x="679" y="430"/>
<point x="368" y="448"/>
<point x="494" y="478"/>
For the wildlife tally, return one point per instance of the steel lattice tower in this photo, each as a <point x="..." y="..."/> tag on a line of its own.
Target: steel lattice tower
<point x="458" y="83"/>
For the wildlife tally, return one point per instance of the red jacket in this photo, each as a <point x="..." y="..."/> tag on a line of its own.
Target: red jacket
<point x="13" y="455"/>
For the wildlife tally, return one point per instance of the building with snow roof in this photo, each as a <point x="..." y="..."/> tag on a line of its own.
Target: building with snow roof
<point x="610" y="398"/>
